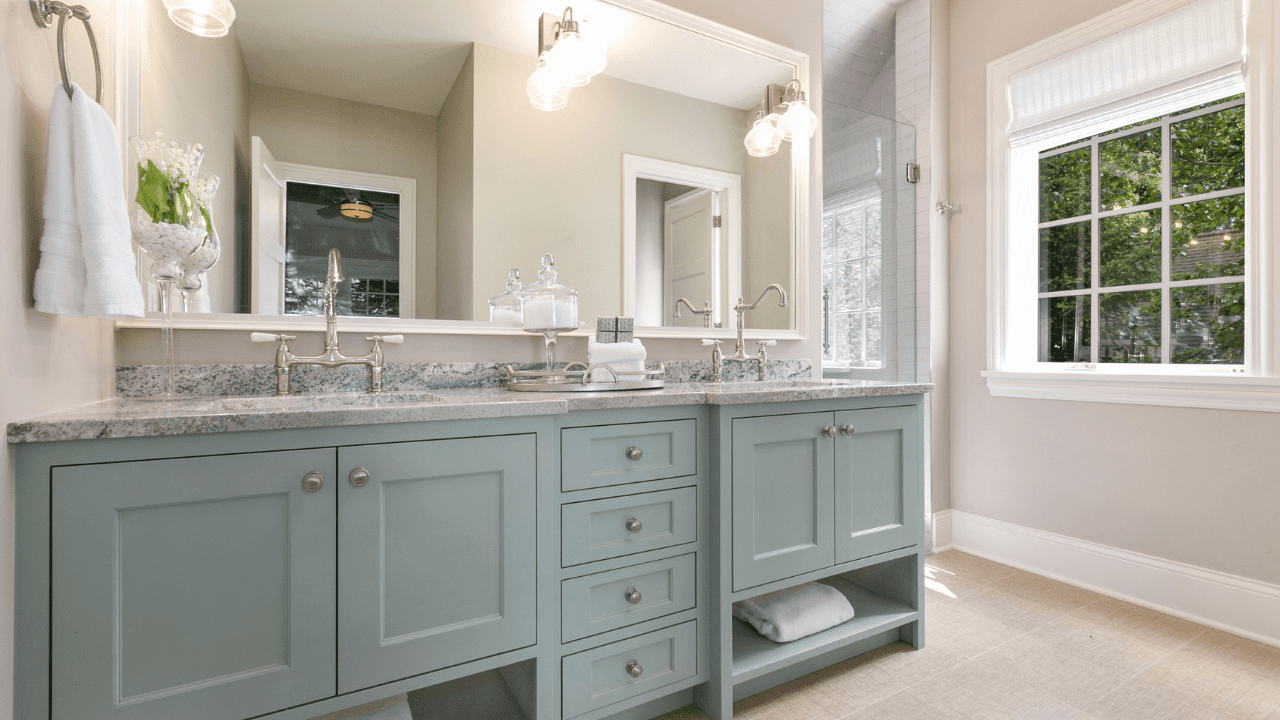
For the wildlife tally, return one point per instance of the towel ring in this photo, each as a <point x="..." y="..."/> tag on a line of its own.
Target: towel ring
<point x="43" y="12"/>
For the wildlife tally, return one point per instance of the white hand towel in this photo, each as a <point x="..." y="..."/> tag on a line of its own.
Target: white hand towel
<point x="786" y="615"/>
<point x="86" y="252"/>
<point x="626" y="359"/>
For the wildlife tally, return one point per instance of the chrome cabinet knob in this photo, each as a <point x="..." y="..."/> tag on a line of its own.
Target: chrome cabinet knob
<point x="634" y="453"/>
<point x="632" y="595"/>
<point x="634" y="669"/>
<point x="634" y="525"/>
<point x="359" y="477"/>
<point x="846" y="429"/>
<point x="312" y="481"/>
<point x="828" y="431"/>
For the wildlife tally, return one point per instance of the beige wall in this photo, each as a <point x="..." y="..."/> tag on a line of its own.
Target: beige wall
<point x="196" y="90"/>
<point x="796" y="24"/>
<point x="48" y="362"/>
<point x="308" y="129"/>
<point x="456" y="193"/>
<point x="766" y="224"/>
<point x="1195" y="486"/>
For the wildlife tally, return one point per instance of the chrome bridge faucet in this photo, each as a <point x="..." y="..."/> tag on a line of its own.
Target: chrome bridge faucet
<point x="332" y="356"/>
<point x="740" y="355"/>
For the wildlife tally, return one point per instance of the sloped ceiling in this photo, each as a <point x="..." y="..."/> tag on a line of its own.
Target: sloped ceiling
<point x="858" y="40"/>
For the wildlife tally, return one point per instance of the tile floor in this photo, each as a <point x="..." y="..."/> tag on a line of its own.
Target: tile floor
<point x="1003" y="643"/>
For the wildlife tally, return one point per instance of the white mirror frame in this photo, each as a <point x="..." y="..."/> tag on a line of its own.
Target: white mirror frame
<point x="128" y="102"/>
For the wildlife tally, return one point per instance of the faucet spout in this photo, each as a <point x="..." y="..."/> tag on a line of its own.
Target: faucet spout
<point x="334" y="276"/>
<point x="782" y="298"/>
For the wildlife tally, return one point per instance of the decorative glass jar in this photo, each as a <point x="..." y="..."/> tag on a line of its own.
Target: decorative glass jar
<point x="549" y="305"/>
<point x="508" y="307"/>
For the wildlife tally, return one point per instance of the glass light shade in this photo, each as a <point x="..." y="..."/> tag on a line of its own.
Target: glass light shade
<point x="798" y="120"/>
<point x="596" y="50"/>
<point x="206" y="18"/>
<point x="547" y="88"/>
<point x="572" y="58"/>
<point x="763" y="139"/>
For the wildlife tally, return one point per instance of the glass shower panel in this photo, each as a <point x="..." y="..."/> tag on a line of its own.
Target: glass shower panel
<point x="868" y="246"/>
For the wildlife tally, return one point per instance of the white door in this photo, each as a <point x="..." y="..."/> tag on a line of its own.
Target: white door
<point x="691" y="254"/>
<point x="267" y="234"/>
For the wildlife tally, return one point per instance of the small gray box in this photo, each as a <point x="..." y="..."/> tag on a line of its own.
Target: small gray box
<point x="607" y="324"/>
<point x="606" y="336"/>
<point x="622" y="337"/>
<point x="626" y="324"/>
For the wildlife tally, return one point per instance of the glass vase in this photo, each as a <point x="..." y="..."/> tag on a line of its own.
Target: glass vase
<point x="206" y="256"/>
<point x="168" y="226"/>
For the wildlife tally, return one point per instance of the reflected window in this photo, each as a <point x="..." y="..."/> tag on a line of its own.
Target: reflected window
<point x="851" y="267"/>
<point x="364" y="226"/>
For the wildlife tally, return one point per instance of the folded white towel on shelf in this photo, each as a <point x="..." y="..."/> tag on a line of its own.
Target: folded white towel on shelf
<point x="393" y="708"/>
<point x="87" y="265"/>
<point x="793" y="613"/>
<point x="626" y="359"/>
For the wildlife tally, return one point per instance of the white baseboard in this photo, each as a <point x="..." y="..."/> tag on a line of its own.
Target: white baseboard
<point x="942" y="531"/>
<point x="1238" y="605"/>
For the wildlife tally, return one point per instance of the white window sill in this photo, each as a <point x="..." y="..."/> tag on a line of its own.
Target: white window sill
<point x="1221" y="392"/>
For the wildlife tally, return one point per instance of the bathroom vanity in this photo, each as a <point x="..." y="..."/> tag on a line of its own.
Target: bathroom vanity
<point x="239" y="558"/>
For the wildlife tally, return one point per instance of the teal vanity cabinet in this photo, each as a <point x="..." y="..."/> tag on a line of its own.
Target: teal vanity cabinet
<point x="176" y="578"/>
<point x="811" y="490"/>
<point x="192" y="585"/>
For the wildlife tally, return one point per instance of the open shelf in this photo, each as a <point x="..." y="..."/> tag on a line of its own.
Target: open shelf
<point x="755" y="655"/>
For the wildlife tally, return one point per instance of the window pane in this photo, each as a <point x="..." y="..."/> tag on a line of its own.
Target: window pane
<point x="1129" y="171"/>
<point x="1129" y="327"/>
<point x="873" y="228"/>
<point x="828" y="240"/>
<point x="873" y="283"/>
<point x="875" y="341"/>
<point x="1064" y="329"/>
<point x="1130" y="248"/>
<point x="1208" y="324"/>
<point x="849" y="234"/>
<point x="1208" y="238"/>
<point x="393" y="287"/>
<point x="1065" y="255"/>
<point x="847" y="294"/>
<point x="1208" y="152"/>
<point x="1064" y="185"/>
<point x="849" y="329"/>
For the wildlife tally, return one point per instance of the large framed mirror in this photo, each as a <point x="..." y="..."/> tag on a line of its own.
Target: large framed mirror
<point x="403" y="135"/>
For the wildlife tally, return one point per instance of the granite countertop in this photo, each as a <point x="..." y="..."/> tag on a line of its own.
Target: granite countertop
<point x="130" y="417"/>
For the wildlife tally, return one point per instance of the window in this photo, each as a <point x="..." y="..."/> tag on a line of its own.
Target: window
<point x="1131" y="242"/>
<point x="1142" y="242"/>
<point x="851" y="271"/>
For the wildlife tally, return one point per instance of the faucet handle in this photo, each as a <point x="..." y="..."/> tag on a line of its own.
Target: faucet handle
<point x="708" y="343"/>
<point x="261" y="337"/>
<point x="766" y="343"/>
<point x="389" y="339"/>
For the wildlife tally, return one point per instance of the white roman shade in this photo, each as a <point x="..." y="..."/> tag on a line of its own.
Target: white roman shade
<point x="1184" y="57"/>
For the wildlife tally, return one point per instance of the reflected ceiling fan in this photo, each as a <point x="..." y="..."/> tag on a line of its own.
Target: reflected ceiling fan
<point x="354" y="205"/>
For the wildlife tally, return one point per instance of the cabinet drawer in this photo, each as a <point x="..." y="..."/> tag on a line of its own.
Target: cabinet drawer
<point x="603" y="456"/>
<point x="600" y="677"/>
<point x="597" y="603"/>
<point x="601" y="529"/>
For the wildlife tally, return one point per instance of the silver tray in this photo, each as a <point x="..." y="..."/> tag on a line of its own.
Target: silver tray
<point x="576" y="377"/>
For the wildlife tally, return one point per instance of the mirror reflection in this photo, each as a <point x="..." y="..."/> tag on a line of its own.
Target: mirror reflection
<point x="407" y="140"/>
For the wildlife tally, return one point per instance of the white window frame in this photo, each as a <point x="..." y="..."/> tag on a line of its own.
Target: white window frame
<point x="1012" y="206"/>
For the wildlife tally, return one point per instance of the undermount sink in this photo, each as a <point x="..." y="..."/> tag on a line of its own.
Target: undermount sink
<point x="335" y="401"/>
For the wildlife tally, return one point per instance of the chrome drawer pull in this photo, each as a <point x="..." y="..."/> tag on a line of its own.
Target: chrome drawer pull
<point x="634" y="669"/>
<point x="828" y="431"/>
<point x="312" y="481"/>
<point x="632" y="595"/>
<point x="846" y="429"/>
<point x="634" y="453"/>
<point x="634" y="525"/>
<point x="359" y="477"/>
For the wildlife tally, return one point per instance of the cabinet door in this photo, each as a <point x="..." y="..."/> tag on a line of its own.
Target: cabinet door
<point x="783" y="489"/>
<point x="878" y="494"/>
<point x="436" y="560"/>
<point x="192" y="588"/>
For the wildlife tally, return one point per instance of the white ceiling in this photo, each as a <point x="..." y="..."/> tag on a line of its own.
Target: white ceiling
<point x="858" y="40"/>
<point x="405" y="54"/>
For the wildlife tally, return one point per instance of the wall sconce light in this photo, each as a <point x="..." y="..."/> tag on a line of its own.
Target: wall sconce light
<point x="205" y="18"/>
<point x="771" y="127"/>
<point x="567" y="58"/>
